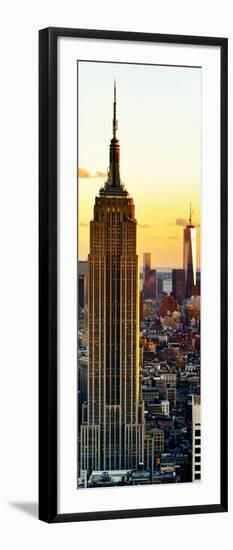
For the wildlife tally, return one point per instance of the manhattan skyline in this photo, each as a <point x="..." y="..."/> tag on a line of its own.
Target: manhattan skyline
<point x="161" y="146"/>
<point x="138" y="347"/>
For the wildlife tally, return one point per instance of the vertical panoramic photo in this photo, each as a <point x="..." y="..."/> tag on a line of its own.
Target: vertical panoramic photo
<point x="139" y="274"/>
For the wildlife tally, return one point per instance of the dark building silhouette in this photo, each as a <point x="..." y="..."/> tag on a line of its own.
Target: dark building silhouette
<point x="159" y="285"/>
<point x="189" y="257"/>
<point x="149" y="278"/>
<point x="178" y="285"/>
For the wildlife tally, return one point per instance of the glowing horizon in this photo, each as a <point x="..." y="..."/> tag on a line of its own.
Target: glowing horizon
<point x="159" y="120"/>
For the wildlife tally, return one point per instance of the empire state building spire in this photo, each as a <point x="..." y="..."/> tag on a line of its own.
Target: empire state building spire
<point x="113" y="184"/>
<point x="114" y="123"/>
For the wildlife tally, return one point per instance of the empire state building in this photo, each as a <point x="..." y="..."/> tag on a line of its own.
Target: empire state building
<point x="112" y="426"/>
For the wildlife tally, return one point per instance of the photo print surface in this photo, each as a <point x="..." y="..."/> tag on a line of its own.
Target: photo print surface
<point x="139" y="274"/>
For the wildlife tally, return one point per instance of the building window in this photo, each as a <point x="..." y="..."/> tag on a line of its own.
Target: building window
<point x="197" y="476"/>
<point x="197" y="433"/>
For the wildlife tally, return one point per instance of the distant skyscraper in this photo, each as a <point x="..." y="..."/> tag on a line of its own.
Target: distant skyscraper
<point x="82" y="283"/>
<point x="178" y="285"/>
<point x="189" y="257"/>
<point x="149" y="278"/>
<point x="159" y="286"/>
<point x="146" y="261"/>
<point x="112" y="430"/>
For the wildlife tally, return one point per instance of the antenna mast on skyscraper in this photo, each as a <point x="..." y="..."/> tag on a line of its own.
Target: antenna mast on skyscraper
<point x="114" y="112"/>
<point x="190" y="213"/>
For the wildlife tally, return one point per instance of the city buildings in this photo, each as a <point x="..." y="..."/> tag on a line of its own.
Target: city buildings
<point x="153" y="447"/>
<point x="139" y="352"/>
<point x="149" y="278"/>
<point x="167" y="305"/>
<point x="196" y="438"/>
<point x="163" y="282"/>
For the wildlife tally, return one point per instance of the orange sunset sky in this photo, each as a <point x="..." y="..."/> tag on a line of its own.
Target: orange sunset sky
<point x="159" y="127"/>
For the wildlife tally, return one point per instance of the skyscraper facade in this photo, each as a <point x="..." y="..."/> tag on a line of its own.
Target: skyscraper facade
<point x="112" y="427"/>
<point x="178" y="285"/>
<point x="189" y="257"/>
<point x="159" y="286"/>
<point x="149" y="278"/>
<point x="196" y="437"/>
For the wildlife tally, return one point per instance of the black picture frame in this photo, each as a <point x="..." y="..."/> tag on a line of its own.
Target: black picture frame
<point x="48" y="274"/>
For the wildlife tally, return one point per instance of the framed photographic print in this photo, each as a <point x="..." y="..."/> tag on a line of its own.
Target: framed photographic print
<point x="133" y="275"/>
